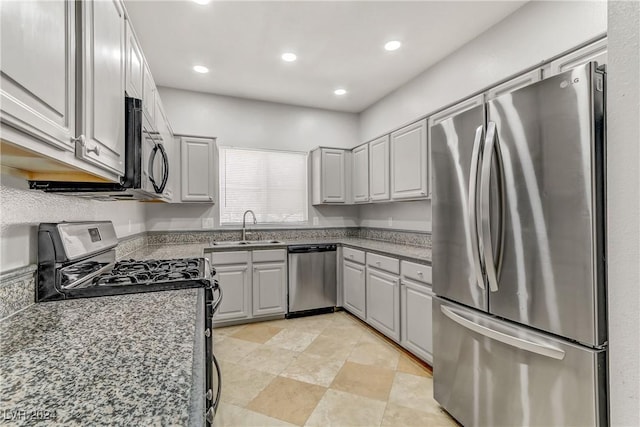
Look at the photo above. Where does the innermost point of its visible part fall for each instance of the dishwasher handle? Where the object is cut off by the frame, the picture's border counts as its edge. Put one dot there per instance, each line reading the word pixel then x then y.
pixel 305 249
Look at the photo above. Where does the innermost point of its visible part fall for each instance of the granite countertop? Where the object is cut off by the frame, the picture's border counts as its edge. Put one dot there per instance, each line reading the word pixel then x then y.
pixel 396 250
pixel 116 360
pixel 406 252
pixel 168 251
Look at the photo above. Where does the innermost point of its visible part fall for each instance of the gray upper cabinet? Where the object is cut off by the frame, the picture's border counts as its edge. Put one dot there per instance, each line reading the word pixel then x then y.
pixel 409 160
pixel 379 169
pixel 197 169
pixel 149 95
pixel 103 64
pixel 37 86
pixel 329 176
pixel 360 180
pixel 596 51
pixel 134 64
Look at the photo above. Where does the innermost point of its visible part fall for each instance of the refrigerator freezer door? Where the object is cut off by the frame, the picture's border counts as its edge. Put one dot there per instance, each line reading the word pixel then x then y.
pixel 493 373
pixel 455 149
pixel 550 138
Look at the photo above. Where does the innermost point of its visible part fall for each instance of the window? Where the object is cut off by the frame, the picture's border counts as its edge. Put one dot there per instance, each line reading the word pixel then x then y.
pixel 271 183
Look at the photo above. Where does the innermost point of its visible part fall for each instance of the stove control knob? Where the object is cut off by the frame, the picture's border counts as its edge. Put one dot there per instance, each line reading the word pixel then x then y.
pixel 207 333
pixel 209 394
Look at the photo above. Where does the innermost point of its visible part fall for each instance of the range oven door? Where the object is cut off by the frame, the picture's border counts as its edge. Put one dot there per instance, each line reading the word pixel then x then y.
pixel 488 372
pixel 213 372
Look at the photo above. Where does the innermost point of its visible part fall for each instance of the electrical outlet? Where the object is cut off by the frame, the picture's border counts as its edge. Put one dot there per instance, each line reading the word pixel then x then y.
pixel 390 222
pixel 207 222
pixel 315 220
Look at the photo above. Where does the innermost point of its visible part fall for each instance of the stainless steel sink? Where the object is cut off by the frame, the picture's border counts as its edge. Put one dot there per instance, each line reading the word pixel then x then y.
pixel 247 242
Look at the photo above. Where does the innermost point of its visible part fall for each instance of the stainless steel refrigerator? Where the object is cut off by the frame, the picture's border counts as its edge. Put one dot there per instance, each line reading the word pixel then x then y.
pixel 520 331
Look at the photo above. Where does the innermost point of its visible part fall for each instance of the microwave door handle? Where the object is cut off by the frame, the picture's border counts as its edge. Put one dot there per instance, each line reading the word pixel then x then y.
pixel 165 167
pixel 152 159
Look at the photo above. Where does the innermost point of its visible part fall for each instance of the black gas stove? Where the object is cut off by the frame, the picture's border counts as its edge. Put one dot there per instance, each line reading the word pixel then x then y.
pixel 77 260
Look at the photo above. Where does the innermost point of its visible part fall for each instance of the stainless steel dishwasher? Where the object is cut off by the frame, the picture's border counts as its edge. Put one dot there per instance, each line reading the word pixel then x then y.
pixel 312 279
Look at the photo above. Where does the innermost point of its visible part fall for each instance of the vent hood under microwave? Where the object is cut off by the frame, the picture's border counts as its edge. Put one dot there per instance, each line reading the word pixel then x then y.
pixel 143 147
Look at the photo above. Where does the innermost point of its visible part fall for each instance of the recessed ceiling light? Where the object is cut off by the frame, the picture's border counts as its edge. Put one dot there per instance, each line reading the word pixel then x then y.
pixel 202 1
pixel 289 57
pixel 200 69
pixel 340 92
pixel 392 45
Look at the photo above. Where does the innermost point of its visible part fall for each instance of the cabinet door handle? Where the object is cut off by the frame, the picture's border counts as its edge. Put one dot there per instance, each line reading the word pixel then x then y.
pixel 420 273
pixel 95 149
pixel 378 263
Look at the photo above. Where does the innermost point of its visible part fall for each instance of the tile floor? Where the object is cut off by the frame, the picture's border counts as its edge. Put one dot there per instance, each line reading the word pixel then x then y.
pixel 328 370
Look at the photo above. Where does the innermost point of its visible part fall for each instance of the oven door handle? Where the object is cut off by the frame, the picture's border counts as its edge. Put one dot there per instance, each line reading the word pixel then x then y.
pixel 213 409
pixel 216 401
pixel 216 303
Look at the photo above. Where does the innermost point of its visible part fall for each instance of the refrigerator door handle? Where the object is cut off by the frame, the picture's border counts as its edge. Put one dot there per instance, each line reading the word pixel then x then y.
pixel 533 347
pixel 473 208
pixel 485 218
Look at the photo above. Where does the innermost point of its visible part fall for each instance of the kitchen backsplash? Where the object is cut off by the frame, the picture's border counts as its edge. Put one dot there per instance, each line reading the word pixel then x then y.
pixel 412 238
pixel 17 290
pixel 174 237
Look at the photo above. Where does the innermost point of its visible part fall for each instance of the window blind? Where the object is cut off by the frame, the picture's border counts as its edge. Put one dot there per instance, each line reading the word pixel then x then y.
pixel 271 183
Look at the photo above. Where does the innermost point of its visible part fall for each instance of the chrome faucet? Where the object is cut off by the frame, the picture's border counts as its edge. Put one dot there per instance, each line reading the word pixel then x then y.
pixel 244 220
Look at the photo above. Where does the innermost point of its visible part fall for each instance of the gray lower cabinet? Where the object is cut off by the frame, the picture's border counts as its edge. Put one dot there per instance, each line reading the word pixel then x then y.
pixel 253 283
pixel 354 285
pixel 235 283
pixel 269 288
pixel 383 302
pixel 416 323
pixel 234 278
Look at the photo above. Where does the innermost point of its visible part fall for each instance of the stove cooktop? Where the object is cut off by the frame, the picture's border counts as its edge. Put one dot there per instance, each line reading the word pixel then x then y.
pixel 77 260
pixel 94 278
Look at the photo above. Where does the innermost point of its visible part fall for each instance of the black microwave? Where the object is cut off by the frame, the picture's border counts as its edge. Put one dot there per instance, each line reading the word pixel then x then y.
pixel 146 170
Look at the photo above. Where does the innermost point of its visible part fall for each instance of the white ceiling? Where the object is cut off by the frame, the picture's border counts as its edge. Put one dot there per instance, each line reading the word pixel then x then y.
pixel 339 44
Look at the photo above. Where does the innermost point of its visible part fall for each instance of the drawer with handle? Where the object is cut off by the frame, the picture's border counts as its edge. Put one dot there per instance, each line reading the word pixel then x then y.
pixel 353 255
pixel 381 262
pixel 233 257
pixel 417 272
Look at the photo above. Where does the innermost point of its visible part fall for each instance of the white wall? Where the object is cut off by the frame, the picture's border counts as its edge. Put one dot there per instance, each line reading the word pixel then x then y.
pixel 623 210
pixel 415 215
pixel 537 31
pixel 249 123
pixel 23 209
